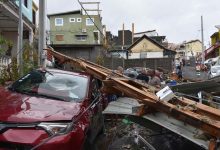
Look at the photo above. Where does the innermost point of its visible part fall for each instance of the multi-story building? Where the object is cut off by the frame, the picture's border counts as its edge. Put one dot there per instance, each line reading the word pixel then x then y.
pixel 214 49
pixel 76 34
pixel 9 17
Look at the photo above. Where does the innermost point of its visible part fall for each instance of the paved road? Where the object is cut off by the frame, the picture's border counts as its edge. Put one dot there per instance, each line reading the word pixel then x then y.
pixel 190 73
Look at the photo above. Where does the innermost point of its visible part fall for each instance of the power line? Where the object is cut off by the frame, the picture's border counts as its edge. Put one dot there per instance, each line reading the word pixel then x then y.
pixel 104 36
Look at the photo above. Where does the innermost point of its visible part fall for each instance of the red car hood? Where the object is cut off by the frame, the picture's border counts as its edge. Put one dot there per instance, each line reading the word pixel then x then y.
pixel 15 107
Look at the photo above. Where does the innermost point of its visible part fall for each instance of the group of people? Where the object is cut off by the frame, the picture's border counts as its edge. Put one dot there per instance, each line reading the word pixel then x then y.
pixel 150 77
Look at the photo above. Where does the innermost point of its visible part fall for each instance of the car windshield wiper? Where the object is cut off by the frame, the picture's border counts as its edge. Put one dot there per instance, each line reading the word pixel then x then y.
pixel 45 70
pixel 53 97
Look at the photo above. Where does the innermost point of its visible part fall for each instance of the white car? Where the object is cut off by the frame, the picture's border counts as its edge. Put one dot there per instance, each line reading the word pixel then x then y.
pixel 215 67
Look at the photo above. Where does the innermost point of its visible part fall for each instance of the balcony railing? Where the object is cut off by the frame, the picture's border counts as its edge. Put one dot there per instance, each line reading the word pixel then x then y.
pixel 4 61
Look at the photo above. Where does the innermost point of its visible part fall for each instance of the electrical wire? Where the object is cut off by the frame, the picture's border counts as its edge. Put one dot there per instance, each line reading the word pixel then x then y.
pixel 104 36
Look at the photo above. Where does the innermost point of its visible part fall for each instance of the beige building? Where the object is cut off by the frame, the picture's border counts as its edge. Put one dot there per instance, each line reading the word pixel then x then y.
pixel 193 48
pixel 145 47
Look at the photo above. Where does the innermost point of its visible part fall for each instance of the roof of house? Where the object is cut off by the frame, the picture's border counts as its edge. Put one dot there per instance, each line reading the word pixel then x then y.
pixel 216 33
pixel 65 13
pixel 145 32
pixel 192 41
pixel 150 39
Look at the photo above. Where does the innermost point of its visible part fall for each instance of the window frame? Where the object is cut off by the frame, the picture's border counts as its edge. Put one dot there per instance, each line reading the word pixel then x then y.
pixel 70 19
pixel 88 19
pixel 25 3
pixel 58 24
pixel 59 35
pixel 98 41
pixel 78 19
pixel 77 37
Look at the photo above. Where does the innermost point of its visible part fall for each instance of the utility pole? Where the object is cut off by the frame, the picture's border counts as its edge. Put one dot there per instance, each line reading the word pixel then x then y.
pixel 42 37
pixel 20 39
pixel 202 36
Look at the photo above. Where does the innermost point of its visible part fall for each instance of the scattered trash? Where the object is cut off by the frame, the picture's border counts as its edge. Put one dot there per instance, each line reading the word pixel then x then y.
pixel 165 94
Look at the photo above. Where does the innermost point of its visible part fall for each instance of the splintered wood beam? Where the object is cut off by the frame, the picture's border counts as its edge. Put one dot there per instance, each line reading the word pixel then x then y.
pixel 199 121
pixel 134 92
pixel 201 109
pixel 111 90
pixel 202 117
pixel 109 83
pixel 109 71
pixel 96 72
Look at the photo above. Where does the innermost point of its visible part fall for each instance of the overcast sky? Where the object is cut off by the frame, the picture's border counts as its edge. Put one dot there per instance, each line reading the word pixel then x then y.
pixel 178 20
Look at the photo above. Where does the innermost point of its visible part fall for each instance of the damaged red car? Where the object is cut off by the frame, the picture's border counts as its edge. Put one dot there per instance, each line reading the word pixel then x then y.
pixel 51 109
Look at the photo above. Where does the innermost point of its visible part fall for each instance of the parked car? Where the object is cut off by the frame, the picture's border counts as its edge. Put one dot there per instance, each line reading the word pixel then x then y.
pixel 215 67
pixel 62 107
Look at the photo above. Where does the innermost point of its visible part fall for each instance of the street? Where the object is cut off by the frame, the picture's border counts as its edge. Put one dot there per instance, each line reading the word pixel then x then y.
pixel 190 74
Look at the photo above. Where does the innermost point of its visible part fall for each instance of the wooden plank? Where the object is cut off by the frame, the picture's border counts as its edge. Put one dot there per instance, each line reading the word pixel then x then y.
pixel 204 118
pixel 202 109
pixel 202 122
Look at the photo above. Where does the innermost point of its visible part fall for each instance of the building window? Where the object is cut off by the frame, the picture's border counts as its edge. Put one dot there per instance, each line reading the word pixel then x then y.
pixel 81 37
pixel 34 17
pixel 58 21
pixel 72 20
pixel 26 3
pixel 79 19
pixel 89 22
pixel 59 37
pixel 96 37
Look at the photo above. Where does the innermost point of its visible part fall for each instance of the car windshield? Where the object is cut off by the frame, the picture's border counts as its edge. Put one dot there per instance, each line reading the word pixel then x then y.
pixel 53 85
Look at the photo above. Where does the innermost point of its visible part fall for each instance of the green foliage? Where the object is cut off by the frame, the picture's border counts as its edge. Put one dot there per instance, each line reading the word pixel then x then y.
pixel 5 46
pixel 10 72
pixel 30 61
pixel 2 43
pixel 29 58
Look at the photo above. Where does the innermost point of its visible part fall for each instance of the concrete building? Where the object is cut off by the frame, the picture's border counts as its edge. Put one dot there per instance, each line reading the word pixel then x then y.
pixel 9 17
pixel 76 35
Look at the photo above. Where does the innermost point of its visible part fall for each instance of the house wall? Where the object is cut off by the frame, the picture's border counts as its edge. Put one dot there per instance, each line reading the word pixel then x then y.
pixel 146 45
pixel 70 29
pixel 27 11
pixel 88 53
pixel 146 55
pixel 195 47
